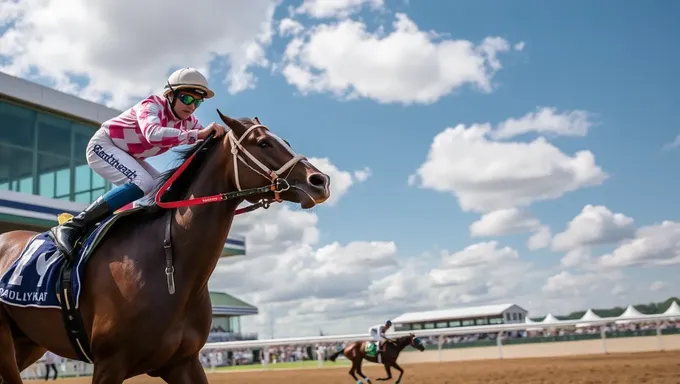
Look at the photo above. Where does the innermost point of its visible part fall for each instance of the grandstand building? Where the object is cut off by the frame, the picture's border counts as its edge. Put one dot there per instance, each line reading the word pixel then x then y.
pixel 461 317
pixel 43 171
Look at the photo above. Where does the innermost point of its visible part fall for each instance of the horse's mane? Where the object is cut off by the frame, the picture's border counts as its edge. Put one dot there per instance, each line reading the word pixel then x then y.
pixel 181 184
pixel 402 339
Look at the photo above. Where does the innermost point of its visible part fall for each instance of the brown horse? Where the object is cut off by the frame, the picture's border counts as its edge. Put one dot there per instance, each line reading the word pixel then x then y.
pixel 355 352
pixel 141 315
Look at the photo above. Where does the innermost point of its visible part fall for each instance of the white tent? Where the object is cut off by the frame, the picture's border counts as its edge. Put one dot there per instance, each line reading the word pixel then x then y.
pixel 550 319
pixel 630 312
pixel 588 316
pixel 527 320
pixel 674 309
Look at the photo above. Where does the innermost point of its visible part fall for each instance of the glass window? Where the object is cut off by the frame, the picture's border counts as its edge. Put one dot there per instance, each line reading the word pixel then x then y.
pixel 54 180
pixel 235 324
pixel 17 125
pixel 442 324
pixel 454 323
pixel 83 180
pixel 54 135
pixel 482 322
pixel 417 326
pixel 81 136
pixel 429 325
pixel 468 322
pixel 16 169
pixel 496 320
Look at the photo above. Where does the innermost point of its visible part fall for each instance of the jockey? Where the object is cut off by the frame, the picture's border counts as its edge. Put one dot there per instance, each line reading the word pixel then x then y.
pixel 378 333
pixel 117 151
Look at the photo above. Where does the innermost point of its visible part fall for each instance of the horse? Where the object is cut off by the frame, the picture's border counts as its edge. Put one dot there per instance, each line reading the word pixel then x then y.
pixel 357 351
pixel 144 300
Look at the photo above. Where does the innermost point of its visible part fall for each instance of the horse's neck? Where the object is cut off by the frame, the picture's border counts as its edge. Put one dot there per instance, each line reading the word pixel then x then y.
pixel 402 344
pixel 200 231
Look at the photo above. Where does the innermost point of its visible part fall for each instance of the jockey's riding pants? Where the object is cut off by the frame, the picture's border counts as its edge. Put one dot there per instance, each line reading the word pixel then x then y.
pixel 117 166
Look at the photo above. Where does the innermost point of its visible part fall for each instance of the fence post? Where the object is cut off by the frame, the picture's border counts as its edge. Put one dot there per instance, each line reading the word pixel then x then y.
pixel 440 343
pixel 603 334
pixel 499 343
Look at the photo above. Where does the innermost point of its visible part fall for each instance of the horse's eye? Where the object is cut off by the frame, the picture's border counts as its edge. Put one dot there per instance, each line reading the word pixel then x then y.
pixel 263 144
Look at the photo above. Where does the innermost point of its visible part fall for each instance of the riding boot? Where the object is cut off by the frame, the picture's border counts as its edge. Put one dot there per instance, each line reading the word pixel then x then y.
pixel 66 235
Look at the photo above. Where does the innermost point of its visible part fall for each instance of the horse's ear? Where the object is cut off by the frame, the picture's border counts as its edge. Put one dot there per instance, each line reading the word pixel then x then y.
pixel 235 125
pixel 257 120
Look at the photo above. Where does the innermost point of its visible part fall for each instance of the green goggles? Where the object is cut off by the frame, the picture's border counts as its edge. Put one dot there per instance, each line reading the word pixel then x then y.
pixel 187 99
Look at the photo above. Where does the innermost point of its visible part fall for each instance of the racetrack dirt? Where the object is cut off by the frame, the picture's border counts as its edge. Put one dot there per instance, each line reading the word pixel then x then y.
pixel 629 368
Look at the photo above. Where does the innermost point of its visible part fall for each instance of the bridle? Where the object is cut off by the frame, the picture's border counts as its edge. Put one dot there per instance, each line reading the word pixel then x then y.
pixel 278 184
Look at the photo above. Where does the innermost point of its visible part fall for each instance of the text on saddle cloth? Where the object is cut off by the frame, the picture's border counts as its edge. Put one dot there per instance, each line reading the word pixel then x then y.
pixel 32 279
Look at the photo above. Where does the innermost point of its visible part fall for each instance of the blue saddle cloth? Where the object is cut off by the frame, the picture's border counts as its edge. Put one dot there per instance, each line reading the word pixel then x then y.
pixel 33 279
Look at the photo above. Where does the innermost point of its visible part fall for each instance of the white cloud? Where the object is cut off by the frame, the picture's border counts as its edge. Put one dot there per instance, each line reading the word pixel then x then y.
pixel 654 245
pixel 658 286
pixel 540 239
pixel 673 144
pixel 405 66
pixel 345 287
pixel 290 27
pixel 546 121
pixel 122 49
pixel 580 257
pixel 512 221
pixel 595 225
pixel 486 175
pixel 504 222
pixel 336 8
pixel 341 181
pixel 566 284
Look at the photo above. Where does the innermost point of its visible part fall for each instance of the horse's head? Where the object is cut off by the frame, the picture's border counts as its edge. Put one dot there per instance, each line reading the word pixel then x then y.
pixel 416 343
pixel 260 159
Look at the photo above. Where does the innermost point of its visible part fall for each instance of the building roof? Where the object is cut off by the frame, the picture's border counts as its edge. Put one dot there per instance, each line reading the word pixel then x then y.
pixel 226 304
pixel 52 99
pixel 455 313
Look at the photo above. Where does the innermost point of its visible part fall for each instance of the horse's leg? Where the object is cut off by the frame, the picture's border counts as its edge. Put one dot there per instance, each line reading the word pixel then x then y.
pixel 189 372
pixel 361 373
pixel 398 368
pixel 389 373
pixel 9 371
pixel 109 371
pixel 27 352
pixel 353 369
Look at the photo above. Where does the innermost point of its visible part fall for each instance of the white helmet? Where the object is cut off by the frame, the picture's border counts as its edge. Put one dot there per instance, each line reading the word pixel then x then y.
pixel 188 78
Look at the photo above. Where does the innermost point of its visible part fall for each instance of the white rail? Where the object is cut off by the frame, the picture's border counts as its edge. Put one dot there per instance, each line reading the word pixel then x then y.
pixel 433 332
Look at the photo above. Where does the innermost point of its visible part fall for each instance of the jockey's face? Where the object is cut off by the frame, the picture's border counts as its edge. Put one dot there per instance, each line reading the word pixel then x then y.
pixel 186 104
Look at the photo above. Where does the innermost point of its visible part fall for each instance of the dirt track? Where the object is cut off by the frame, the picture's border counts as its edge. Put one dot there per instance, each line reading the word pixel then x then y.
pixel 637 368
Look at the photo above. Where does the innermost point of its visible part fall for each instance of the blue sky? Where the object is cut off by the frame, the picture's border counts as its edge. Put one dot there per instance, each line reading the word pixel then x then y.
pixel 614 61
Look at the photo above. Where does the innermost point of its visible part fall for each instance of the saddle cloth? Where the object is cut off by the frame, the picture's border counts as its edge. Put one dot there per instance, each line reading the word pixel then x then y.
pixel 33 279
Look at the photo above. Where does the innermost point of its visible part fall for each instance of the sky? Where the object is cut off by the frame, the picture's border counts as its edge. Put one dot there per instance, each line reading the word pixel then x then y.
pixel 480 152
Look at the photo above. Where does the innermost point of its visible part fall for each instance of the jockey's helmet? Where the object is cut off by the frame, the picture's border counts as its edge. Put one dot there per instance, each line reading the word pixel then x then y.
pixel 388 323
pixel 189 79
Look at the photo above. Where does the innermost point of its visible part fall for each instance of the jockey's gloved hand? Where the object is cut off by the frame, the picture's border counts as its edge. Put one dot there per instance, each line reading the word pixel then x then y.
pixel 219 130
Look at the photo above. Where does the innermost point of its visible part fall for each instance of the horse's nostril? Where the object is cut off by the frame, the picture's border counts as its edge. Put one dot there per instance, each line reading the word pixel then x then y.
pixel 317 179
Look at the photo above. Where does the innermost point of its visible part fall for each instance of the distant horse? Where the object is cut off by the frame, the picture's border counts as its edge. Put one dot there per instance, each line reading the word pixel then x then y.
pixel 357 351
pixel 144 301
